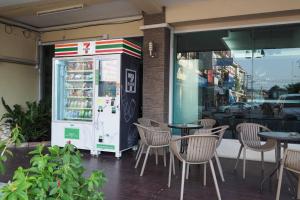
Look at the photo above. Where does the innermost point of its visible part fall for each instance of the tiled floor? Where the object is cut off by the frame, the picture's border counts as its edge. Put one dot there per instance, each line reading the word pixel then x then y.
pixel 124 182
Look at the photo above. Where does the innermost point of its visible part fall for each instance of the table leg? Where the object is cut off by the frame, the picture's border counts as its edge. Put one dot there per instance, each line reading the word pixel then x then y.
pixel 182 141
pixel 278 152
pixel 277 160
pixel 183 145
pixel 278 156
pixel 291 183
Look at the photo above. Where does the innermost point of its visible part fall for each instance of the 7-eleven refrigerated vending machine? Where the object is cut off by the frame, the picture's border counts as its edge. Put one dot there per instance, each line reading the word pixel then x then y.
pixel 96 95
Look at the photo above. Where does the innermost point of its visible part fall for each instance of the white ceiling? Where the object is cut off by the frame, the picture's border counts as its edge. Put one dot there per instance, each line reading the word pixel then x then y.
pixel 101 11
pixel 176 2
pixel 24 11
pixel 15 2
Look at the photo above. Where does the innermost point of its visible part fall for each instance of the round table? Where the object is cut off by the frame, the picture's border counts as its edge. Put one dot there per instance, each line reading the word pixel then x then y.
pixel 185 130
pixel 280 137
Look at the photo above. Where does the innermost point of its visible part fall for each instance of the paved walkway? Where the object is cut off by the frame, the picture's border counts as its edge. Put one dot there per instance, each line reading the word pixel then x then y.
pixel 124 182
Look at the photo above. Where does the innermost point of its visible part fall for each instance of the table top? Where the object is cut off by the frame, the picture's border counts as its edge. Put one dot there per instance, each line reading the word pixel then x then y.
pixel 281 136
pixel 185 126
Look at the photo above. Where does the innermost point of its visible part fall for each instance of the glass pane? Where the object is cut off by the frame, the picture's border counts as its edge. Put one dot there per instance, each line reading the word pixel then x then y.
pixel 74 89
pixel 234 76
pixel 109 81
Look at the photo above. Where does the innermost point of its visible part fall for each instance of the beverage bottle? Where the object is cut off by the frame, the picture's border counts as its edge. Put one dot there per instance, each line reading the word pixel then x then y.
pixel 66 114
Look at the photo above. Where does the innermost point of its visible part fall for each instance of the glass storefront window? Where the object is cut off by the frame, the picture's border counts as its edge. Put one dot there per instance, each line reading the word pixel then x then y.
pixel 234 76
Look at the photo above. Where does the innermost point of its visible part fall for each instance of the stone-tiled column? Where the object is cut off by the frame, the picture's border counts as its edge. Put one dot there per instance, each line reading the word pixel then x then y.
pixel 156 69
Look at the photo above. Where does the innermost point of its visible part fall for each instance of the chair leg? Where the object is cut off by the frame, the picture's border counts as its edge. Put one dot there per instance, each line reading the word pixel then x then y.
pixel 173 160
pixel 262 161
pixel 140 155
pixel 156 156
pixel 279 182
pixel 215 179
pixel 298 191
pixel 219 167
pixel 165 157
pixel 145 161
pixel 277 173
pixel 204 174
pixel 238 157
pixel 244 164
pixel 170 169
pixel 187 171
pixel 182 179
pixel 138 152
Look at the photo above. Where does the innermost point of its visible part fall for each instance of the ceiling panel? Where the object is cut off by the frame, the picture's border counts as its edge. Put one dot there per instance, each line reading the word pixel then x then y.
pixel 177 2
pixel 24 11
pixel 106 10
pixel 15 2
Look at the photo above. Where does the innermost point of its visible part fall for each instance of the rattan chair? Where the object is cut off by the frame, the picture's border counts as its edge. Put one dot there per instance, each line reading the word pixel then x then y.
pixel 247 134
pixel 152 137
pixel 207 123
pixel 291 162
pixel 152 123
pixel 147 123
pixel 200 150
pixel 218 131
pixel 144 121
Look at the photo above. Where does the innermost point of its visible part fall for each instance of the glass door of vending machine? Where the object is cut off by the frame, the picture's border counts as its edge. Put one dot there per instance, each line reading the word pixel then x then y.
pixel 74 89
pixel 107 103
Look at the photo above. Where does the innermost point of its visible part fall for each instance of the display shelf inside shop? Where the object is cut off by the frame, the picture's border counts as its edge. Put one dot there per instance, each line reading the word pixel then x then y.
pixel 79 97
pixel 79 118
pixel 80 71
pixel 79 88
pixel 80 80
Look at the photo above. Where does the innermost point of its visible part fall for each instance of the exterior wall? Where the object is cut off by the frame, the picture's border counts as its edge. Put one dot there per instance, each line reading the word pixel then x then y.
pixel 213 9
pixel 238 22
pixel 114 31
pixel 156 71
pixel 18 83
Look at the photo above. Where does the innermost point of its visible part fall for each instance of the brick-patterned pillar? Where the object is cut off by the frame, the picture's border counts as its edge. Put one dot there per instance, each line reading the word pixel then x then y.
pixel 156 70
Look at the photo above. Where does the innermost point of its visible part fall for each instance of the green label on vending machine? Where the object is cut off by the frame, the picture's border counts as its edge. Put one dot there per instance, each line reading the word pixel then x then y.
pixel 72 133
pixel 106 146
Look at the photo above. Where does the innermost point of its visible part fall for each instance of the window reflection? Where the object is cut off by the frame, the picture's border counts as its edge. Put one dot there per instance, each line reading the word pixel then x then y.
pixel 233 84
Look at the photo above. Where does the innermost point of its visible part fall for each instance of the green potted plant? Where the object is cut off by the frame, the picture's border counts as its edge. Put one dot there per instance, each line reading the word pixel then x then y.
pixel 15 138
pixel 34 120
pixel 55 173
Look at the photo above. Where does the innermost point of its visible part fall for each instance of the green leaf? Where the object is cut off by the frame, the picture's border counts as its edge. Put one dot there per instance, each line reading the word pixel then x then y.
pixel 53 191
pixel 57 175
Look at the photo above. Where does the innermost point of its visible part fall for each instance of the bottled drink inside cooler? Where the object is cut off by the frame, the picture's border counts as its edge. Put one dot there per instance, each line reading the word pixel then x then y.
pixel 74 92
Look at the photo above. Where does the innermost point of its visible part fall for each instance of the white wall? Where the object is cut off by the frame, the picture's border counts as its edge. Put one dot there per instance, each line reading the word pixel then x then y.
pixel 18 83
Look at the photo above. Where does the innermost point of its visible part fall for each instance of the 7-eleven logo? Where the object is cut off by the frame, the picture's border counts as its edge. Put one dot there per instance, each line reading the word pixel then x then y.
pixel 86 47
